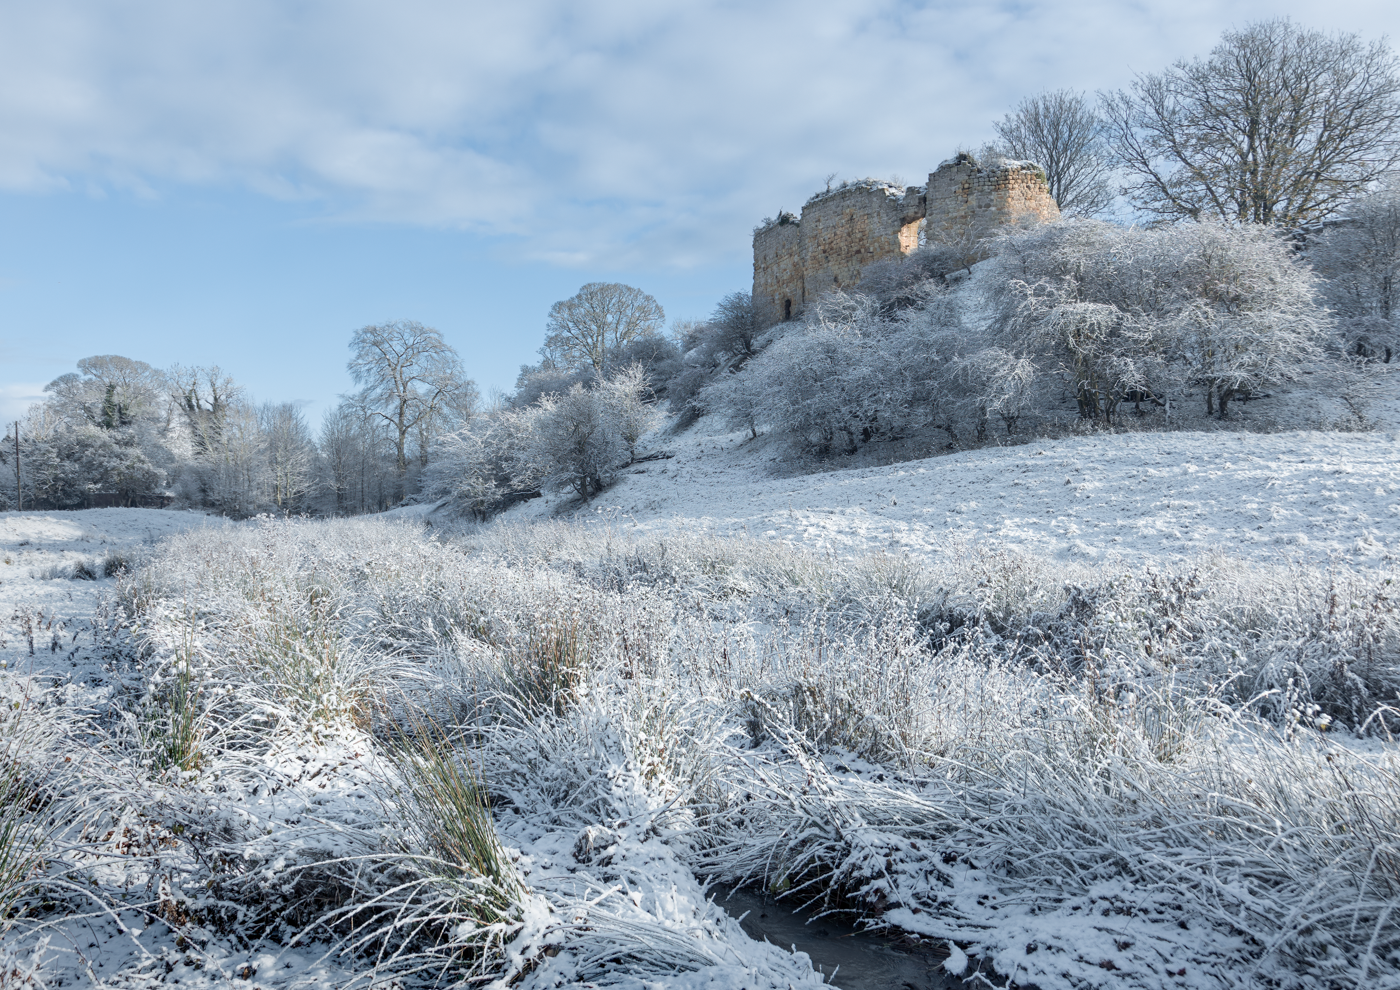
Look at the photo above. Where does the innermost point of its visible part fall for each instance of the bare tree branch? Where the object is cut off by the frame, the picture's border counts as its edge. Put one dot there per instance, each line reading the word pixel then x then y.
pixel 1278 125
pixel 1061 132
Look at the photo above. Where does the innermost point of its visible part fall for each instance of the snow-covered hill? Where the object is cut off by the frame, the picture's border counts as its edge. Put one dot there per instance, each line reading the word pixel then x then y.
pixel 1140 495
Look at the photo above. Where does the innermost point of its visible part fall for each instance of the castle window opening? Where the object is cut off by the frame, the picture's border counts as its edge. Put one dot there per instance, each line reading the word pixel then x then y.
pixel 787 309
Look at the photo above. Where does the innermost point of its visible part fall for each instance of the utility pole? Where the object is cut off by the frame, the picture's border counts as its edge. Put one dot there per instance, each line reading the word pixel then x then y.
pixel 19 495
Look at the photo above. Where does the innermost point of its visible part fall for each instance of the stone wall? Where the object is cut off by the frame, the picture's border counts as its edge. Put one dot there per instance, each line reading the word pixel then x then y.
pixel 777 270
pixel 966 201
pixel 844 230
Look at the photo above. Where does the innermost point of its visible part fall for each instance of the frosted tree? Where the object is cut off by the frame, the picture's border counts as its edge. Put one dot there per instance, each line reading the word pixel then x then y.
pixel 65 463
pixel 625 394
pixel 489 464
pixel 581 438
pixel 1224 311
pixel 599 318
pixel 203 396
pixel 733 326
pixel 711 349
pixel 356 461
pixel 1360 260
pixel 291 455
pixel 410 378
pixel 108 390
pixel 911 281
pixel 576 440
pixel 999 383
pixel 845 377
pixel 1248 315
pixel 101 432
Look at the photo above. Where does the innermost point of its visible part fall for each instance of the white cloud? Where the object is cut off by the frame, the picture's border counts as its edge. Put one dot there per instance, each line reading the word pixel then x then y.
pixel 16 398
pixel 612 129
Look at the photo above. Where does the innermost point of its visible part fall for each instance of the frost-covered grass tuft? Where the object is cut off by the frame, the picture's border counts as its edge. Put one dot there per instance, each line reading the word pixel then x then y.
pixel 508 754
pixel 115 563
pixel 77 570
pixel 24 798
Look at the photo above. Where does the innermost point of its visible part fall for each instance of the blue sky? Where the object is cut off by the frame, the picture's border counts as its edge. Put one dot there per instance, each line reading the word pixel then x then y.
pixel 245 183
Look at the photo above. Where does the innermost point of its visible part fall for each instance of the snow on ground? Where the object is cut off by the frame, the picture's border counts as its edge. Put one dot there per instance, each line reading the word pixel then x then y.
pixel 1161 496
pixel 40 601
pixel 1139 495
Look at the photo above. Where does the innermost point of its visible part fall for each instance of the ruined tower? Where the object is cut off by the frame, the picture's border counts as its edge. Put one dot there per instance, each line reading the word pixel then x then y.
pixel 843 230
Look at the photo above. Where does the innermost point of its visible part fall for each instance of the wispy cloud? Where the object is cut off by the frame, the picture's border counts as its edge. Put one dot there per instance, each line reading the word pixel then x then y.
pixel 616 128
pixel 17 397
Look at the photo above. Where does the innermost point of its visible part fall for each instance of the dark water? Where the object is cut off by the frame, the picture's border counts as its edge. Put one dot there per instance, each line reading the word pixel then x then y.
pixel 866 961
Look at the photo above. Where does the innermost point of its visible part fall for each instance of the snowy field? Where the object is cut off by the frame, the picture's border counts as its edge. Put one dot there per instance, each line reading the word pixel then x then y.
pixel 1160 496
pixel 1099 712
pixel 39 555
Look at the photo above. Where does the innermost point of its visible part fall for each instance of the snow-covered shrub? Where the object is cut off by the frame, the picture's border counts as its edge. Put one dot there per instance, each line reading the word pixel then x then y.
pixel 65 463
pixel 575 440
pixel 582 437
pixel 998 383
pixel 1104 314
pixel 486 466
pixel 115 562
pixel 1223 312
pixel 846 376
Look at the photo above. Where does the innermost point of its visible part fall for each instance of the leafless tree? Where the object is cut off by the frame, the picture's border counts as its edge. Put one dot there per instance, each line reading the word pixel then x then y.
pixel 1279 125
pixel 626 393
pixel 291 454
pixel 1061 132
pixel 1360 260
pixel 356 460
pixel 408 376
pixel 734 324
pixel 601 317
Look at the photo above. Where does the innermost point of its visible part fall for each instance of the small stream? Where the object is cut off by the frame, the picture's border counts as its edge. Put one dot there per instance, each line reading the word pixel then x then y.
pixel 866 961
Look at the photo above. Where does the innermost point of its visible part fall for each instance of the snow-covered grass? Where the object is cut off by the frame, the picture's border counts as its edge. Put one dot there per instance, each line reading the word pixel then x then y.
pixel 369 750
pixel 1089 712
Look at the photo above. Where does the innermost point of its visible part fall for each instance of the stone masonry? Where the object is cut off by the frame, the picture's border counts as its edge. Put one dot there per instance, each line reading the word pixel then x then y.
pixel 843 230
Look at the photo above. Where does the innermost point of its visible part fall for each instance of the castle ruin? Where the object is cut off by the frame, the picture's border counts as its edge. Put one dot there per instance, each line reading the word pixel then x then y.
pixel 844 230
